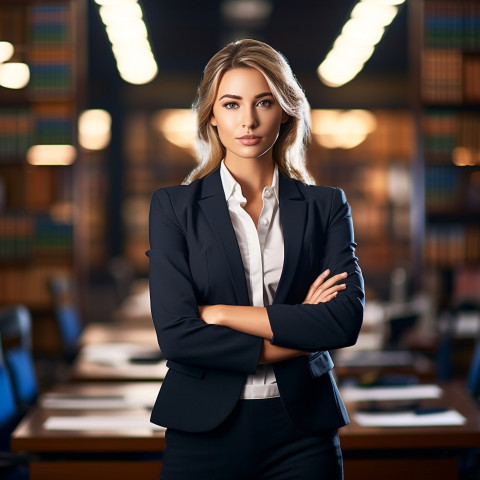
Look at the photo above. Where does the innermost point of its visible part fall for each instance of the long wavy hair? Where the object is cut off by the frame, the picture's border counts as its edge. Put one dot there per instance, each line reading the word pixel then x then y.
pixel 289 149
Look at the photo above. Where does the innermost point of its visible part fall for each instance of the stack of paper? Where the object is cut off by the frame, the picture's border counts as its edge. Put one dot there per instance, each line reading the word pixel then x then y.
pixel 410 419
pixel 101 423
pixel 404 392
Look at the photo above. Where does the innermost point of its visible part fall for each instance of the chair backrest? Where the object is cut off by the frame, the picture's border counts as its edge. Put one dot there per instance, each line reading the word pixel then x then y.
pixel 70 327
pixel 473 377
pixel 8 408
pixel 66 313
pixel 15 328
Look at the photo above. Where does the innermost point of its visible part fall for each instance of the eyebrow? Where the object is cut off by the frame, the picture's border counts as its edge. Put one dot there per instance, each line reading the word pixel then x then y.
pixel 237 97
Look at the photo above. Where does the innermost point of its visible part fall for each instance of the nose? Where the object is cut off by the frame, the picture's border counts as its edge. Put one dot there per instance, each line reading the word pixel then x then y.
pixel 249 119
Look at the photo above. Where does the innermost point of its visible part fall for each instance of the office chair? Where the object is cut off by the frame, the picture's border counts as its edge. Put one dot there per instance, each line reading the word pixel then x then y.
pixel 8 407
pixel 12 466
pixel 15 328
pixel 473 376
pixel 66 314
pixel 447 344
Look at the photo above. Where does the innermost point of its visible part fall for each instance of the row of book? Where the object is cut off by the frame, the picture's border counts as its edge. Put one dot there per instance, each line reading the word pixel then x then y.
pixel 29 284
pixel 22 127
pixel 452 23
pixel 450 189
pixel 440 128
pixel 442 187
pixel 452 245
pixel 449 76
pixel 25 236
pixel 50 52
pixel 54 123
pixel 49 23
pixel 447 133
pixel 16 132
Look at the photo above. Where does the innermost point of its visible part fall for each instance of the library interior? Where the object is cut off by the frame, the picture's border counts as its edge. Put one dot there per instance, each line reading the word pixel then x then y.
pixel 96 115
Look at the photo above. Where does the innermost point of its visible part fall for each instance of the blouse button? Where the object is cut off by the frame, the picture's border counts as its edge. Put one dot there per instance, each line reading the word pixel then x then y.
pixel 264 222
pixel 267 193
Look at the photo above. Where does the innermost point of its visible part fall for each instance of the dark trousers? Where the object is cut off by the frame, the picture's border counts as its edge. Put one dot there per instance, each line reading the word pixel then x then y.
pixel 257 442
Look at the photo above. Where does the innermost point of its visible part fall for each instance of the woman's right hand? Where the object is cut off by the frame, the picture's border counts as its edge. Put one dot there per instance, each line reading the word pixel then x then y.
pixel 324 289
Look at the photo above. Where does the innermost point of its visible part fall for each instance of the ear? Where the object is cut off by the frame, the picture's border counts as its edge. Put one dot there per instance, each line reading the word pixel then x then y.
pixel 213 120
pixel 285 117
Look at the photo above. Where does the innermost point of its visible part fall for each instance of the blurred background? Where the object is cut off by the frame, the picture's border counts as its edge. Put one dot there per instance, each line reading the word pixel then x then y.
pixel 94 117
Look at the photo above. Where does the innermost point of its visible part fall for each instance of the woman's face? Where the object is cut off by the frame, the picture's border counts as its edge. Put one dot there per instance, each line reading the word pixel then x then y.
pixel 246 115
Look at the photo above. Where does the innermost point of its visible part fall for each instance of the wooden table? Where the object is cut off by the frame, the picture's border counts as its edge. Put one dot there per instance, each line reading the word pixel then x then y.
pixel 106 362
pixel 92 454
pixel 423 453
pixel 418 453
pixel 408 364
pixel 143 334
pixel 118 352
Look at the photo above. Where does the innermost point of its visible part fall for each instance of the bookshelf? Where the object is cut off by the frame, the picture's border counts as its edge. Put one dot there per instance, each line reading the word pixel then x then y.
pixel 38 227
pixel 375 176
pixel 449 121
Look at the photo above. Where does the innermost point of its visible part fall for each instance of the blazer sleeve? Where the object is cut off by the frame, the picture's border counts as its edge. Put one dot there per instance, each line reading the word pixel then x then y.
pixel 337 323
pixel 182 335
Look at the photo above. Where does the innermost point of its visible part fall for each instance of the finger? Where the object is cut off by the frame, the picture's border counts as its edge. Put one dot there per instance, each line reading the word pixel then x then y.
pixel 328 298
pixel 316 284
pixel 319 281
pixel 321 278
pixel 321 295
pixel 333 280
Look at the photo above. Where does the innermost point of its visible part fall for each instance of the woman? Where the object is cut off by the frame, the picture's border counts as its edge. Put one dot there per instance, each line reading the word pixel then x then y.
pixel 253 277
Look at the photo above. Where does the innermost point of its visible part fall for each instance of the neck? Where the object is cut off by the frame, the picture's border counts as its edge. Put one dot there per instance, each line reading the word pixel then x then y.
pixel 253 174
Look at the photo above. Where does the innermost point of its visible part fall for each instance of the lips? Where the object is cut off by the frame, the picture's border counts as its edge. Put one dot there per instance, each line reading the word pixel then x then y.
pixel 249 140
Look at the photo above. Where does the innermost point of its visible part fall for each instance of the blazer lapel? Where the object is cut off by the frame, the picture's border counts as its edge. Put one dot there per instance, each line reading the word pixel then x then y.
pixel 293 211
pixel 215 208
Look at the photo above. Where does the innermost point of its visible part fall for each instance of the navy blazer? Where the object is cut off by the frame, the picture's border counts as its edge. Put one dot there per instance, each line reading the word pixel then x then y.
pixel 195 260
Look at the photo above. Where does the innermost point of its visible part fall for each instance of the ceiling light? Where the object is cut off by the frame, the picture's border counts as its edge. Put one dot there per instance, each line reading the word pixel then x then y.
pixel 239 11
pixel 356 43
pixel 94 129
pixel 121 12
pixel 113 2
pixel 375 13
pixel 6 51
pixel 128 35
pixel 361 32
pixel 14 75
pixel 178 126
pixel 385 2
pixel 51 155
pixel 342 129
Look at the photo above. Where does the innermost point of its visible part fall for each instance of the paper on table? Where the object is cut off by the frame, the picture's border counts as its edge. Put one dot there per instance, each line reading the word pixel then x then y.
pixel 404 392
pixel 93 403
pixel 409 419
pixel 101 423
pixel 397 358
pixel 116 354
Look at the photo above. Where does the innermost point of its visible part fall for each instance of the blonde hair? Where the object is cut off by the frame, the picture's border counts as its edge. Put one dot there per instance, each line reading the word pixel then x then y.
pixel 289 149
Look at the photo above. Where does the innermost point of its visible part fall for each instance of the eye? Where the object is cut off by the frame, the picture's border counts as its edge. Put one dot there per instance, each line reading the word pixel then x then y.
pixel 265 103
pixel 230 105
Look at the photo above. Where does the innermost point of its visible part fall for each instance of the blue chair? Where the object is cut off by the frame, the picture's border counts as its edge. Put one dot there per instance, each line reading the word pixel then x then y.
pixel 15 329
pixel 8 407
pixel 12 466
pixel 473 377
pixel 66 314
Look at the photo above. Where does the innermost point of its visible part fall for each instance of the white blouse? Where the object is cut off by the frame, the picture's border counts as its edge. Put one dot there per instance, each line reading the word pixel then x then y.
pixel 262 254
